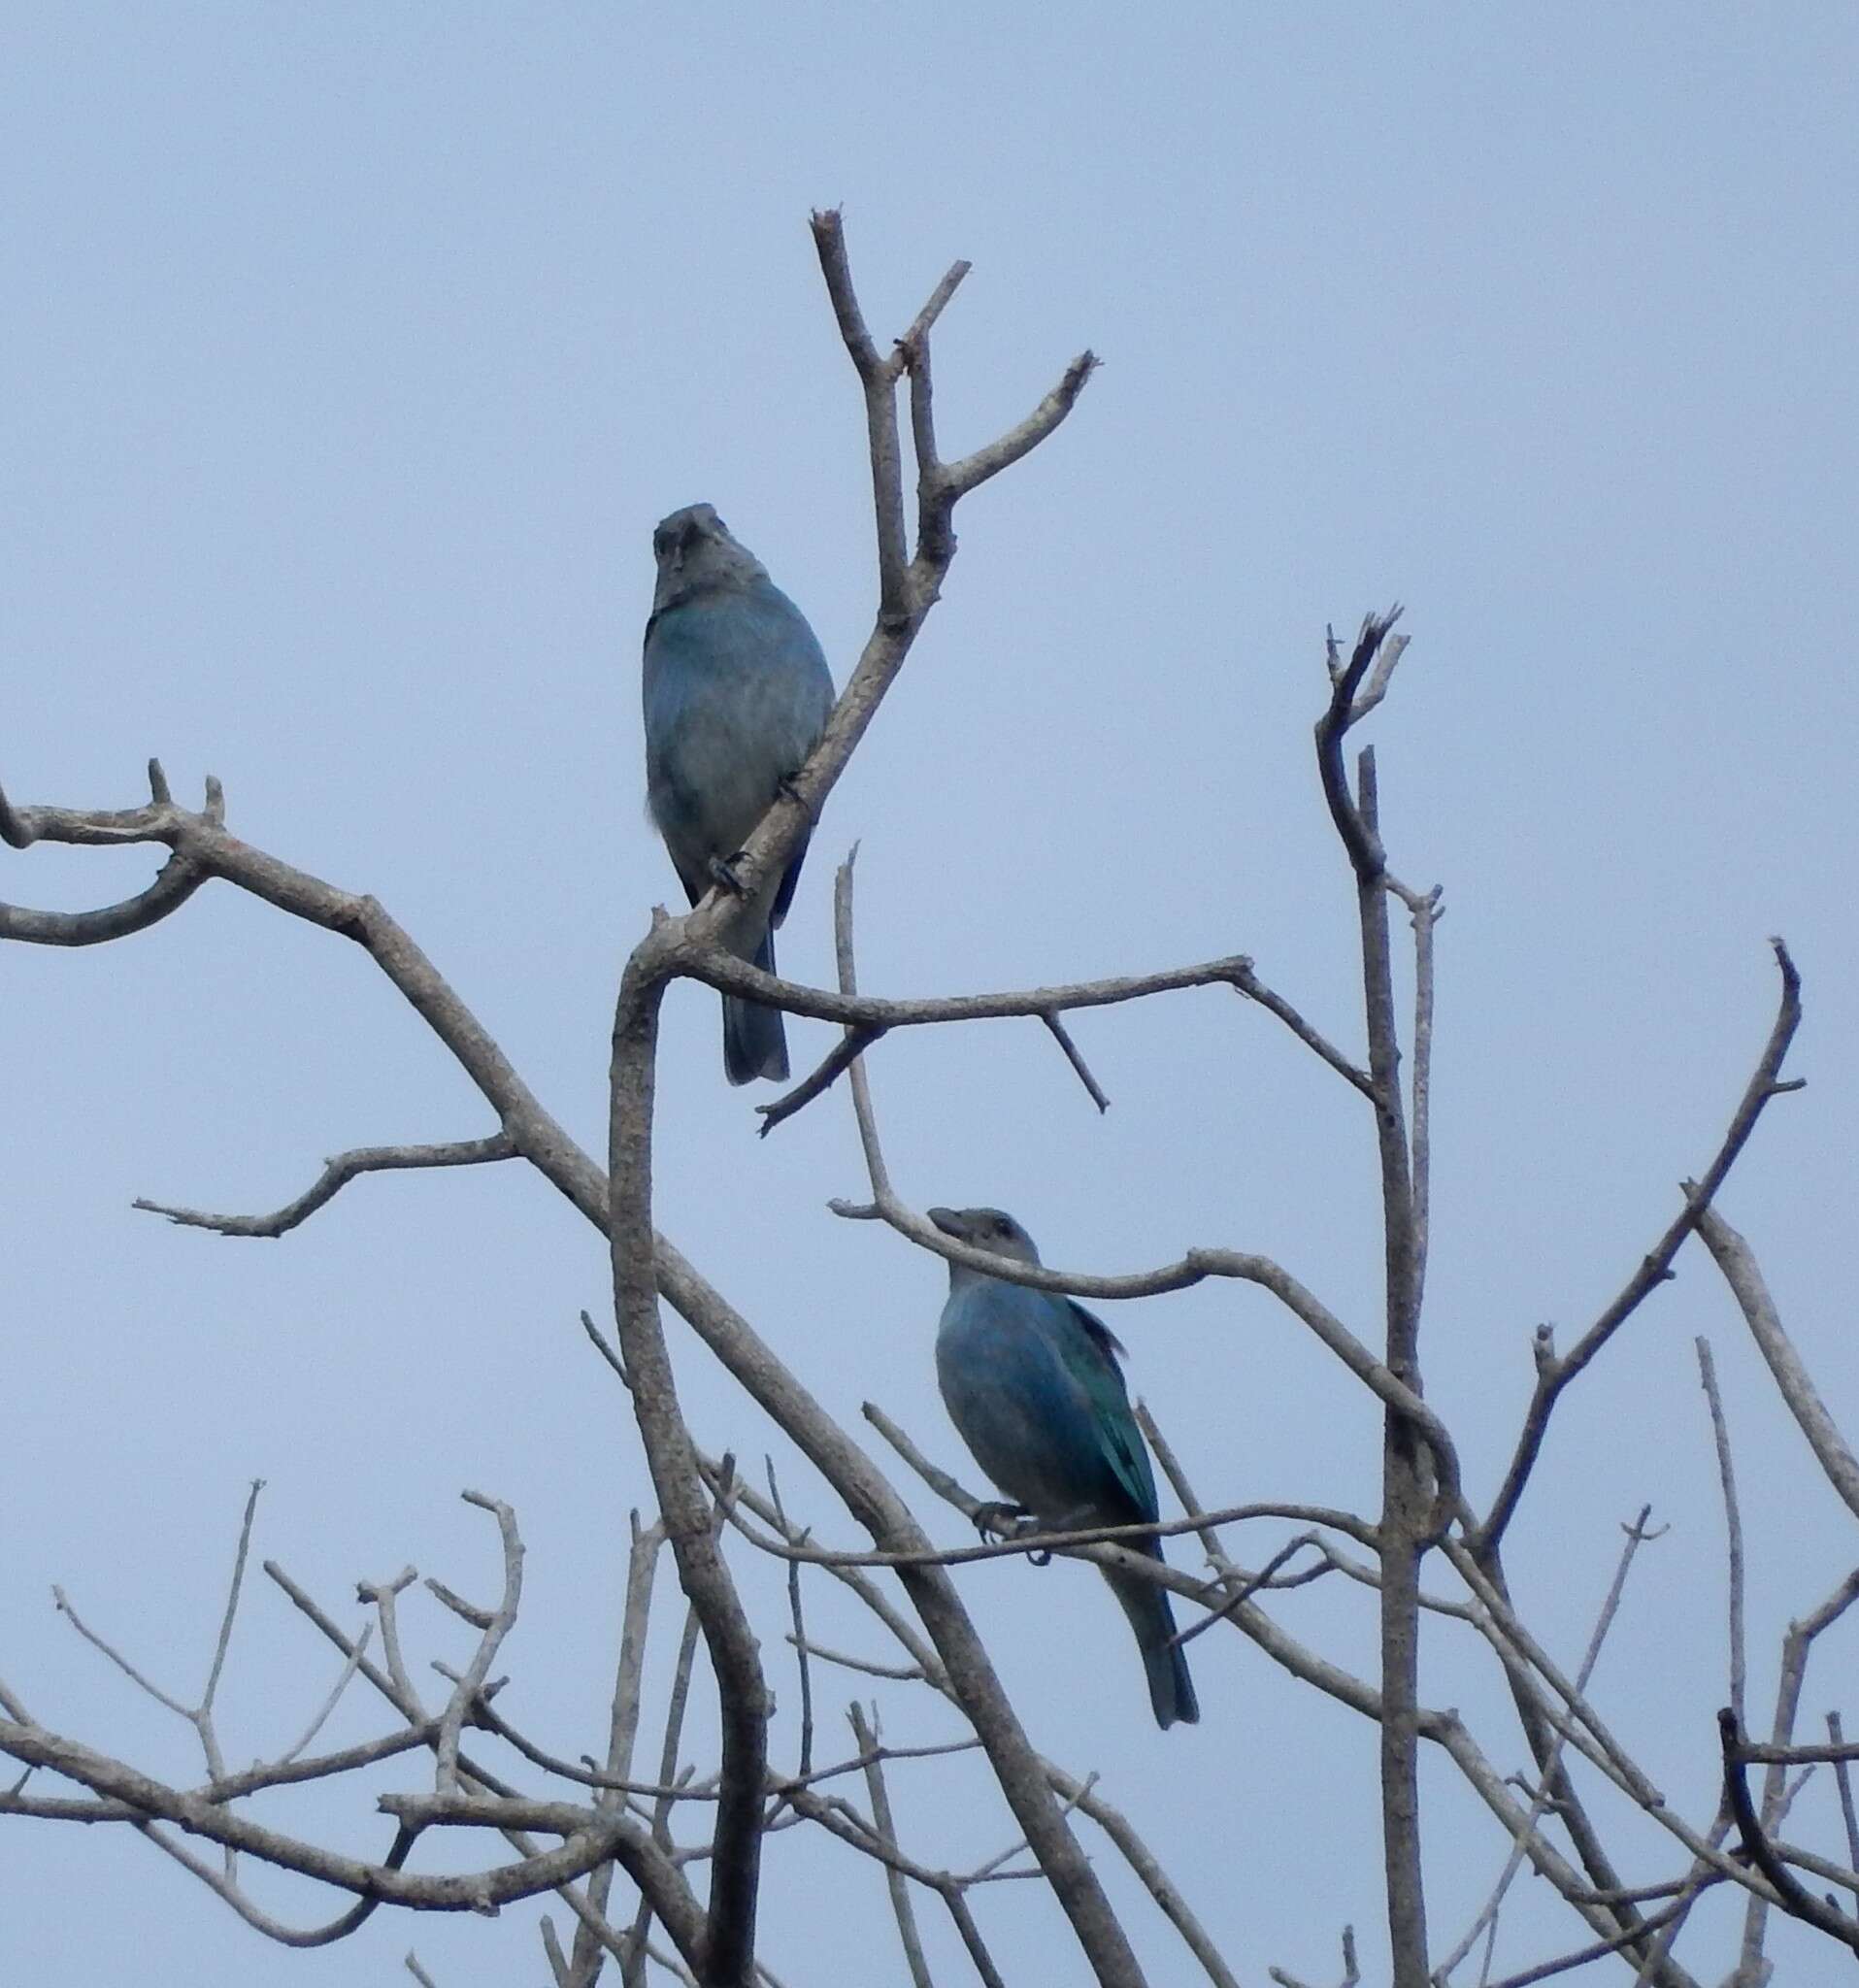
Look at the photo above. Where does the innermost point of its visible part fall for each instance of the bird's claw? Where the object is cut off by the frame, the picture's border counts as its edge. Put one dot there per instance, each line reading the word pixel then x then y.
pixel 1000 1520
pixel 722 871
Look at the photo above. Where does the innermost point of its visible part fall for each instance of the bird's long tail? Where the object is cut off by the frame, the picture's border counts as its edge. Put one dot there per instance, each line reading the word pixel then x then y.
pixel 1171 1689
pixel 754 1041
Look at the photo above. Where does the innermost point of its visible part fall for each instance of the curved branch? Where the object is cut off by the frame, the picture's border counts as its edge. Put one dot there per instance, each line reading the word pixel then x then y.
pixel 1794 1898
pixel 176 884
pixel 261 1921
pixel 1359 836
pixel 178 881
pixel 336 1174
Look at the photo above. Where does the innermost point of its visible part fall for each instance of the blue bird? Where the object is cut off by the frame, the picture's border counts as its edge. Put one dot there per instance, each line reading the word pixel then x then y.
pixel 1031 1382
pixel 737 694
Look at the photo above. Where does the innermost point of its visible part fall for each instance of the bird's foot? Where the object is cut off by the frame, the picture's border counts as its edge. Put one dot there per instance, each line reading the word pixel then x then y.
pixel 722 871
pixel 785 786
pixel 1000 1520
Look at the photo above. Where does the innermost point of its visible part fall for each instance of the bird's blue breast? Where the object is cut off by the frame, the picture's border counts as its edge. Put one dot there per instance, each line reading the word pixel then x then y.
pixel 736 694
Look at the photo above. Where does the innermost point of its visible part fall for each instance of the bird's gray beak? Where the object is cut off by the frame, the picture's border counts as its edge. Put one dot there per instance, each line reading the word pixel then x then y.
pixel 948 1221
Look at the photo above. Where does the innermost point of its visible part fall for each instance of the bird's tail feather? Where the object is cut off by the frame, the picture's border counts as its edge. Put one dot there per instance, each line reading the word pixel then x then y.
pixel 1171 1689
pixel 754 1041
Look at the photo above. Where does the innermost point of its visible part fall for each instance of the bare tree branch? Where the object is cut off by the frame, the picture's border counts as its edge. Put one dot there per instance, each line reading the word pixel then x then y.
pixel 1735 1259
pixel 865 1738
pixel 1733 1523
pixel 873 1016
pixel 1488 1917
pixel 799 1638
pixel 1836 1751
pixel 1797 1646
pixel 1411 1514
pixel 336 1174
pixel 1351 1973
pixel 1062 1036
pixel 178 882
pixel 495 1628
pixel 743 1695
pixel 1198 1264
pixel 1795 1898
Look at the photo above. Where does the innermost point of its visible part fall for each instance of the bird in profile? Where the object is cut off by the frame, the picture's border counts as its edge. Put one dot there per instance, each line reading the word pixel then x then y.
pixel 1031 1382
pixel 736 694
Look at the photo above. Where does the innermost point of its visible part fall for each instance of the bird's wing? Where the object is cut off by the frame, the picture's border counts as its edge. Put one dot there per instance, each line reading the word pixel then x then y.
pixel 1090 1356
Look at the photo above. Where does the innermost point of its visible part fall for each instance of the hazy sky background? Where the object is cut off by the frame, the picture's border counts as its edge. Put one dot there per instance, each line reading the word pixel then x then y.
pixel 350 354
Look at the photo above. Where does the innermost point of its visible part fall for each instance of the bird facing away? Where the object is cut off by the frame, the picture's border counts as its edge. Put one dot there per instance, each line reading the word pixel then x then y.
pixel 737 694
pixel 1031 1382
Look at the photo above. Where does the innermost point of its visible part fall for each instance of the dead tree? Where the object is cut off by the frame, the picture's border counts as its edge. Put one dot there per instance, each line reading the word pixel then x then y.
pixel 616 1844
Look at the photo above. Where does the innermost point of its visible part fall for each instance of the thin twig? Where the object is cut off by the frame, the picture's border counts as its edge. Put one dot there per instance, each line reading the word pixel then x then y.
pixel 582 1969
pixel 1423 907
pixel 1601 1948
pixel 798 1637
pixel 1735 1259
pixel 1540 1798
pixel 336 1174
pixel 1554 1374
pixel 872 1017
pixel 117 1657
pixel 865 1738
pixel 1844 1780
pixel 902 1673
pixel 1148 1870
pixel 971 1936
pixel 1247 1589
pixel 351 1664
pixel 1351 1973
pixel 1733 1523
pixel 1062 1036
pixel 385 1598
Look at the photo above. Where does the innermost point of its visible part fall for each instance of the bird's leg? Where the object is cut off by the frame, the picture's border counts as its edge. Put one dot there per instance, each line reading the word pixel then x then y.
pixel 785 786
pixel 721 871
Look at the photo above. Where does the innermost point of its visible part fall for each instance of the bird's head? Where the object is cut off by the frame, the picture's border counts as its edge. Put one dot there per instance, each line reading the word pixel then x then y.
pixel 694 550
pixel 985 1228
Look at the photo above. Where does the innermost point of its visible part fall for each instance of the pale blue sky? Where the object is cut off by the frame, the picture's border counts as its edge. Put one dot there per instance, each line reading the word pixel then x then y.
pixel 351 353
